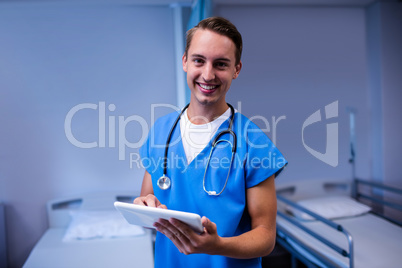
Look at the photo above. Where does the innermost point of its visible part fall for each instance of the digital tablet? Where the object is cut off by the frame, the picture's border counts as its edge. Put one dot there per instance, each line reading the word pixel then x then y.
pixel 146 216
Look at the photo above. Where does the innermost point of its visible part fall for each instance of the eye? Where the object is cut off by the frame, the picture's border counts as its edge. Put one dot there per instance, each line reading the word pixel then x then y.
pixel 198 61
pixel 221 65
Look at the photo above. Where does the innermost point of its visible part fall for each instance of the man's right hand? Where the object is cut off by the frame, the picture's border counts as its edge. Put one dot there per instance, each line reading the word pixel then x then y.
pixel 150 201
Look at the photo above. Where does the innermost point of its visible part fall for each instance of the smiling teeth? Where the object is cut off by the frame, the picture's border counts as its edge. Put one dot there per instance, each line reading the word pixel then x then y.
pixel 207 87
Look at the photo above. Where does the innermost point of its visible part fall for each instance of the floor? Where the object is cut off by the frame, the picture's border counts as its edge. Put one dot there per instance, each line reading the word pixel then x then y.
pixel 279 258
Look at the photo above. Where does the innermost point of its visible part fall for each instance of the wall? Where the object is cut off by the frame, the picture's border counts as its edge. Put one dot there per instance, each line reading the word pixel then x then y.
pixel 297 60
pixel 3 247
pixel 53 58
pixel 391 25
pixel 385 62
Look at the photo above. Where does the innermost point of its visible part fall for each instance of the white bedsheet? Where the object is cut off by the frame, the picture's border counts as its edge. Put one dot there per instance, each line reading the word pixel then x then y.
pixel 122 252
pixel 377 242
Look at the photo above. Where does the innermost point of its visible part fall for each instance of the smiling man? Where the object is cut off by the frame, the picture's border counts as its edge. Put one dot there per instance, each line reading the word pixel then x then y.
pixel 211 66
pixel 225 179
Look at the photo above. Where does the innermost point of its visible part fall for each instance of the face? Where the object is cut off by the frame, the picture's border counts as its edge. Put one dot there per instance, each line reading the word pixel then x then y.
pixel 210 67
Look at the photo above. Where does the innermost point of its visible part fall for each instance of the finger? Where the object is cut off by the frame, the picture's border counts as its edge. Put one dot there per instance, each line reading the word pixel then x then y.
pixel 162 206
pixel 170 232
pixel 139 201
pixel 209 226
pixel 144 201
pixel 184 228
pixel 181 233
pixel 151 201
pixel 189 239
pixel 176 231
pixel 166 228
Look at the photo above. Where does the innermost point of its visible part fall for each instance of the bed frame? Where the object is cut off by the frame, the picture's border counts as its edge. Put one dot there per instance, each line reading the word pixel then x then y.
pixel 364 191
pixel 58 210
pixel 51 251
pixel 375 200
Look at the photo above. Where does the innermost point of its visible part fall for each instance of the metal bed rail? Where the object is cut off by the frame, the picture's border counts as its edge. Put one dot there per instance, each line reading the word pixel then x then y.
pixel 346 253
pixel 378 200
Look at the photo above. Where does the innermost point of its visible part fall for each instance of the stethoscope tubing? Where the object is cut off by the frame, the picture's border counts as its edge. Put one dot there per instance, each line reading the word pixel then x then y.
pixel 164 180
pixel 169 138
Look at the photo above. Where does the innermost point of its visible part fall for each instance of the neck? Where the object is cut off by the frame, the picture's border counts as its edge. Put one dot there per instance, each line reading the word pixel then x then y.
pixel 202 114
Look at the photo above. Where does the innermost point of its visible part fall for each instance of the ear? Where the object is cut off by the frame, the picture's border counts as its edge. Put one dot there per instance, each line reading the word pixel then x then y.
pixel 237 70
pixel 184 61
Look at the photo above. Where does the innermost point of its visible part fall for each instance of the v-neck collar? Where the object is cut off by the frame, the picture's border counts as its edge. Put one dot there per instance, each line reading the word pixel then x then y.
pixel 205 151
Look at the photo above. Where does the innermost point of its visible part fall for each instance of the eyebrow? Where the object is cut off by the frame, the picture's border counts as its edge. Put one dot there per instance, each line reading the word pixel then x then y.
pixel 203 57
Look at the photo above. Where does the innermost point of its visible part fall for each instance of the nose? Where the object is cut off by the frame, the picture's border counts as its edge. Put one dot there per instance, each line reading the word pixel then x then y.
pixel 208 73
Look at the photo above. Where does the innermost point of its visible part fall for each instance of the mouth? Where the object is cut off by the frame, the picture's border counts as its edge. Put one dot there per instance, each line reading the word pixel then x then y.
pixel 207 88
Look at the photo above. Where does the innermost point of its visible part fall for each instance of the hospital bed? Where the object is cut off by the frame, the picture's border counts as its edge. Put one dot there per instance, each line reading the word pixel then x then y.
pixel 340 223
pixel 87 231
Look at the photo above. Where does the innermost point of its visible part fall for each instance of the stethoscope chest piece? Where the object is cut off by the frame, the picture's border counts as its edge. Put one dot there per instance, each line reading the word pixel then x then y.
pixel 164 182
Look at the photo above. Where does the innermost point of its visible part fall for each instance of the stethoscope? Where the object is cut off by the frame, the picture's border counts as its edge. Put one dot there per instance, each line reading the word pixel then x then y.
pixel 164 181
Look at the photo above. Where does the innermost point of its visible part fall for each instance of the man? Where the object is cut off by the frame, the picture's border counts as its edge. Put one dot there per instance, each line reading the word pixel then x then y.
pixel 236 198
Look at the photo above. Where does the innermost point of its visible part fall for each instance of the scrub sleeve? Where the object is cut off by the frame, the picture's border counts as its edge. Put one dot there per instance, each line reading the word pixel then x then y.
pixel 256 159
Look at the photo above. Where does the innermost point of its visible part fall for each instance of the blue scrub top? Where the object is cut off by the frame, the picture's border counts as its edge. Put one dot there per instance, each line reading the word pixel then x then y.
pixel 256 159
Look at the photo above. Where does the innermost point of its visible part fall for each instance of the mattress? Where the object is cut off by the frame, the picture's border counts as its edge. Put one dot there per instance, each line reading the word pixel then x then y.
pixel 51 251
pixel 377 242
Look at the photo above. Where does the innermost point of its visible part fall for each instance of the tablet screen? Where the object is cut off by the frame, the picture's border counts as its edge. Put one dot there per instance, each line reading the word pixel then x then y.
pixel 146 216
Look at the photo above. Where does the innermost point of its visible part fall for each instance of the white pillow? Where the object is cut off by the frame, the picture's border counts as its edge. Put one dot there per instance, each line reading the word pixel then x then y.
pixel 333 207
pixel 99 224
